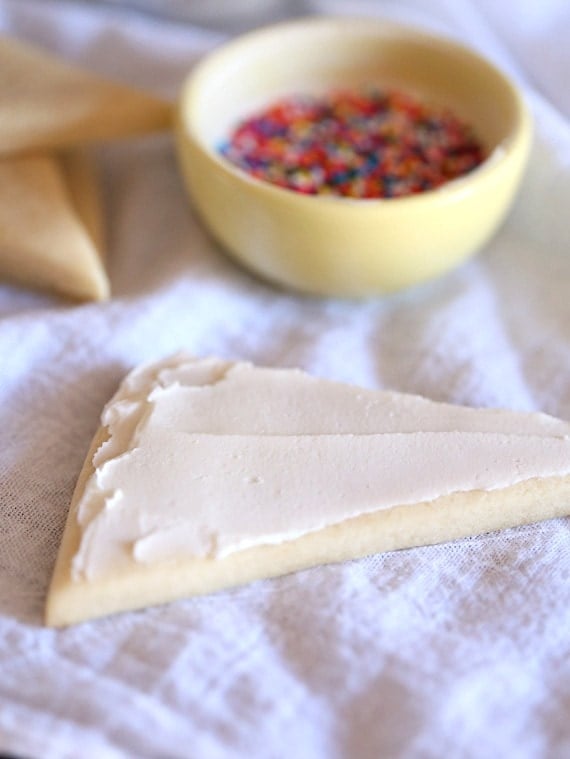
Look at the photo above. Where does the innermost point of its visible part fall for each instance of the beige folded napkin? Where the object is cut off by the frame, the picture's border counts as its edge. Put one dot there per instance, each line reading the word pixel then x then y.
pixel 51 225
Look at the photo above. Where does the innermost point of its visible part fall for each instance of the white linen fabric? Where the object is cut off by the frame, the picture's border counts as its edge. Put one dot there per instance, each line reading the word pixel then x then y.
pixel 457 650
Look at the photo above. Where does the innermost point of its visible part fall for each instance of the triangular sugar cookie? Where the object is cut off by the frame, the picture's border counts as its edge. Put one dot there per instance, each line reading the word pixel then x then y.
pixel 82 178
pixel 50 226
pixel 47 103
pixel 207 474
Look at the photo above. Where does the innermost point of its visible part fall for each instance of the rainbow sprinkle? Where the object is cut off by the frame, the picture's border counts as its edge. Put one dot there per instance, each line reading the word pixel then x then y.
pixel 368 144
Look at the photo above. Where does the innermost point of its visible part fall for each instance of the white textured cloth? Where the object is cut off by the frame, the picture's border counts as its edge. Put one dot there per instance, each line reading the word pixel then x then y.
pixel 459 650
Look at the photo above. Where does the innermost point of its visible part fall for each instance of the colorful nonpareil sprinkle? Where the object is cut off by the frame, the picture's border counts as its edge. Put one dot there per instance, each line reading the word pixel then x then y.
pixel 368 144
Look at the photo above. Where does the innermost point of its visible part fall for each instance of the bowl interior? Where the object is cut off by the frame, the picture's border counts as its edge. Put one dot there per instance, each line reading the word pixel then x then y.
pixel 313 56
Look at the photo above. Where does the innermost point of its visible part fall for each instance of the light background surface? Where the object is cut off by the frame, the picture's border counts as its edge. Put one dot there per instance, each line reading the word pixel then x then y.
pixel 459 650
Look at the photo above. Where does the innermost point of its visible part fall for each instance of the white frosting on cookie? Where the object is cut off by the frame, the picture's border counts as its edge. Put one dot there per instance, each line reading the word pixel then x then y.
pixel 207 457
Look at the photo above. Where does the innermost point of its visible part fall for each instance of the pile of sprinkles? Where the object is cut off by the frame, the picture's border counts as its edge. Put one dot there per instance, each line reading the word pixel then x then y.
pixel 365 144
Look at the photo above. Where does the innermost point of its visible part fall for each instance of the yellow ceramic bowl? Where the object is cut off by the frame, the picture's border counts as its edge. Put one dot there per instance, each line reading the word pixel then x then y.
pixel 335 245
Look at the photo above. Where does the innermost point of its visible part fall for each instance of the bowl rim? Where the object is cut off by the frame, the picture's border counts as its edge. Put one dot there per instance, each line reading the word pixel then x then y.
pixel 518 136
